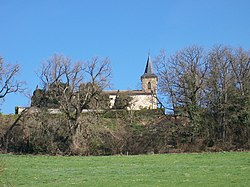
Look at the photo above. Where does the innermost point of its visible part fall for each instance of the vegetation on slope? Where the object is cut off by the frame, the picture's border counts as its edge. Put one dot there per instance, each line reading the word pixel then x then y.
pixel 110 133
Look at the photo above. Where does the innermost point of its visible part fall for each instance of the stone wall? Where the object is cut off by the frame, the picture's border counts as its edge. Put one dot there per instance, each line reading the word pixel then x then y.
pixel 153 82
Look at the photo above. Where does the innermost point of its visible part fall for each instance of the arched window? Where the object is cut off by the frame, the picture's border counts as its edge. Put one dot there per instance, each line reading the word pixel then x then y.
pixel 149 85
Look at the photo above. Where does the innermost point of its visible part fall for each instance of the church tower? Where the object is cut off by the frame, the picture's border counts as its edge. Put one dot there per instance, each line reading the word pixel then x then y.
pixel 149 79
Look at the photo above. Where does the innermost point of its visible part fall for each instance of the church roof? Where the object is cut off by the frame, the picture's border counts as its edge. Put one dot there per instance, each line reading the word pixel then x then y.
pixel 149 71
pixel 129 92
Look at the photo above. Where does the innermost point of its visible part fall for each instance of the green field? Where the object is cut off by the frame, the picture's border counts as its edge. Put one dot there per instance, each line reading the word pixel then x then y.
pixel 206 169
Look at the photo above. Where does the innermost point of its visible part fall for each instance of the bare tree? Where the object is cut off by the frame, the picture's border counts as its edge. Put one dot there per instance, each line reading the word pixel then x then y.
pixel 227 88
pixel 166 81
pixel 240 65
pixel 74 85
pixel 218 84
pixel 8 82
pixel 182 80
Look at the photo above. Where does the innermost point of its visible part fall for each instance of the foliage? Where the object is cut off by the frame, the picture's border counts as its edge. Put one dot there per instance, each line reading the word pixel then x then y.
pixel 211 88
pixel 122 100
pixel 226 169
pixel 115 132
pixel 73 87
pixel 100 102
pixel 43 99
pixel 209 94
pixel 46 99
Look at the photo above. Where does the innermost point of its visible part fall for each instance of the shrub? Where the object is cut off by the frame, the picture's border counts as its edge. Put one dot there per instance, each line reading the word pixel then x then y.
pixel 122 101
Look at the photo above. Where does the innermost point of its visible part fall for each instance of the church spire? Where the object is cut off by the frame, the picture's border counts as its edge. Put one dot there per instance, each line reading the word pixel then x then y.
pixel 149 68
pixel 149 72
pixel 149 79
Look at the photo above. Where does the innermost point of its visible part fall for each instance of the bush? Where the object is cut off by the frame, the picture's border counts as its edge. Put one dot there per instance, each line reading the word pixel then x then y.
pixel 111 133
pixel 122 101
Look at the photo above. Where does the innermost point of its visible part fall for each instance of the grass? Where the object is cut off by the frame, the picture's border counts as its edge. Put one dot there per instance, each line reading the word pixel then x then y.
pixel 206 169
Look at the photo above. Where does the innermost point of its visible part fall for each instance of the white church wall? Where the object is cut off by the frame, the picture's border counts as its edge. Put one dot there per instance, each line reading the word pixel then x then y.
pixel 143 101
pixel 138 102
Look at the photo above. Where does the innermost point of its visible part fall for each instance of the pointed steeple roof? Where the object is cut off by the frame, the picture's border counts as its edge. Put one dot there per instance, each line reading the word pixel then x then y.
pixel 149 71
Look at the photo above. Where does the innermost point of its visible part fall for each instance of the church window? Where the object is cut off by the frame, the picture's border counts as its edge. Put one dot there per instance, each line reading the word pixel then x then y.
pixel 149 85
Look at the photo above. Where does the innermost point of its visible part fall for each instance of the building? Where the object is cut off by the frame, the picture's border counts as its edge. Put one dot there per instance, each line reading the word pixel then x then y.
pixel 141 99
pixel 144 98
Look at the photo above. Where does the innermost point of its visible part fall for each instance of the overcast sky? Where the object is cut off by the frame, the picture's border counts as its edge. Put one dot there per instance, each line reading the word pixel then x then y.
pixel 32 31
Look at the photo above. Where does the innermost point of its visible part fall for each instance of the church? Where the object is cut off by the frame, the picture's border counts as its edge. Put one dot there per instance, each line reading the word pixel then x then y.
pixel 144 98
pixel 140 99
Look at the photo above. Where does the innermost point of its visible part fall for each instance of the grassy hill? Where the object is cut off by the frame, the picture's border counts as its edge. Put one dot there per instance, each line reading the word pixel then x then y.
pixel 203 169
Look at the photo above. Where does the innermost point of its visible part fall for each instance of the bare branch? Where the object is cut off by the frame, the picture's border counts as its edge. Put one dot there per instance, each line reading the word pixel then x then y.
pixel 74 85
pixel 8 82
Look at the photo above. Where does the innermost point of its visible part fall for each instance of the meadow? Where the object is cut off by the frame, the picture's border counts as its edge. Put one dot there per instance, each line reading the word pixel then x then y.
pixel 196 169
